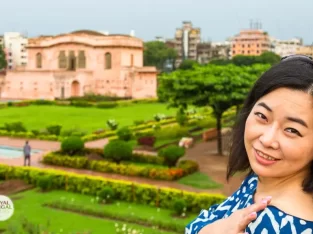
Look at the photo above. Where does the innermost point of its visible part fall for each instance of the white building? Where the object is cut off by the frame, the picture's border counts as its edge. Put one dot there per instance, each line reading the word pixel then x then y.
pixel 286 47
pixel 15 45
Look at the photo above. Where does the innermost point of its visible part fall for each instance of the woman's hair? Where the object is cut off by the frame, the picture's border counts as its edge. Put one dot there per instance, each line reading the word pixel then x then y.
pixel 294 72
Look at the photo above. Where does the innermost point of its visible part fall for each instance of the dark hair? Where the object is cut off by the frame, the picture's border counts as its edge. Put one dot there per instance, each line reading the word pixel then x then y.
pixel 293 73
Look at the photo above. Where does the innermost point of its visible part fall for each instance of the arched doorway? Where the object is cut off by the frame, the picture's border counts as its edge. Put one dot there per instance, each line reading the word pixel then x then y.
pixel 75 89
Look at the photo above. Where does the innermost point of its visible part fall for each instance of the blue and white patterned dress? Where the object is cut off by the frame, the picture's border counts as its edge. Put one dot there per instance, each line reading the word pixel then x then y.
pixel 269 221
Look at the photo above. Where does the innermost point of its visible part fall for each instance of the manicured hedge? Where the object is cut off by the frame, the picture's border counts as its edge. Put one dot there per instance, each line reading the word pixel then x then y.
pixel 30 135
pixel 124 190
pixel 80 162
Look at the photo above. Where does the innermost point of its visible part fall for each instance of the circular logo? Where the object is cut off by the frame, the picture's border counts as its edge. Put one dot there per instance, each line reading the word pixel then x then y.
pixel 6 208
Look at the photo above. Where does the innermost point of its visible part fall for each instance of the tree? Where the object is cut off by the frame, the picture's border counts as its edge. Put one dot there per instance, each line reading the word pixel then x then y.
pixel 157 53
pixel 3 61
pixel 188 64
pixel 220 87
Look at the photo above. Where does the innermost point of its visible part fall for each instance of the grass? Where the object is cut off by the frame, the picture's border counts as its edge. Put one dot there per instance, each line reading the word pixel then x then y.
pixel 199 180
pixel 29 204
pixel 88 119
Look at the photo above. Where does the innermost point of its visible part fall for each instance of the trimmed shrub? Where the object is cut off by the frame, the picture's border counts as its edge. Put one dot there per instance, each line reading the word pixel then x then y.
pixel 106 105
pixel 44 182
pixel 124 134
pixel 15 127
pixel 117 151
pixel 112 124
pixel 179 207
pixel 171 154
pixel 181 117
pixel 171 133
pixel 72 145
pixel 106 195
pixel 81 104
pixel 54 129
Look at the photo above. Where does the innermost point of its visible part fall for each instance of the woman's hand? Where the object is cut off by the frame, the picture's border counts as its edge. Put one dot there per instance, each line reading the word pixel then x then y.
pixel 237 222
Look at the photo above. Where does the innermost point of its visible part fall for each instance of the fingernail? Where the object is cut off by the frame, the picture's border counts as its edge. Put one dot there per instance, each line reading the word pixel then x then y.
pixel 268 197
pixel 264 202
pixel 253 214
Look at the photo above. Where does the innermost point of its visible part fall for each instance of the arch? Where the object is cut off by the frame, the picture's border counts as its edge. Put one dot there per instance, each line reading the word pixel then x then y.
pixel 108 61
pixel 72 61
pixel 75 88
pixel 38 60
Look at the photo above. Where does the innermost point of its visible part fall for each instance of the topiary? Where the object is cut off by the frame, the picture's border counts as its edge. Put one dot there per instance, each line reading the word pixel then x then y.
pixel 124 134
pixel 179 207
pixel 117 151
pixel 72 145
pixel 106 195
pixel 171 154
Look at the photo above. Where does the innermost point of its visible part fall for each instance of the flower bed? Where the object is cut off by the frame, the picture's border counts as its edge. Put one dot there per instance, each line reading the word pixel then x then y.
pixel 184 167
pixel 125 191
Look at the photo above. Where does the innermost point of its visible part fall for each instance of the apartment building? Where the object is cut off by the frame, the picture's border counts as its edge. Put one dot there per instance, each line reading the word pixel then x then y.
pixel 186 40
pixel 286 47
pixel 15 46
pixel 250 42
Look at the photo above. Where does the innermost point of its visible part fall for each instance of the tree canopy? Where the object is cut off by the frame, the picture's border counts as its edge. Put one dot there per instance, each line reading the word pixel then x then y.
pixel 219 87
pixel 157 53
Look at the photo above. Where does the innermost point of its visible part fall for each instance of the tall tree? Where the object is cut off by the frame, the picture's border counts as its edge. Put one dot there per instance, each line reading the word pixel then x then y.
pixel 157 53
pixel 3 61
pixel 220 87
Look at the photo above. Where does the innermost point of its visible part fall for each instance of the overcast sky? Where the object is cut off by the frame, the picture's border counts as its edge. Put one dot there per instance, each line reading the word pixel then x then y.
pixel 218 19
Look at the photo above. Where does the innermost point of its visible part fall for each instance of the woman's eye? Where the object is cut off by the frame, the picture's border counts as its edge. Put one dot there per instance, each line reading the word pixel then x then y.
pixel 293 131
pixel 260 115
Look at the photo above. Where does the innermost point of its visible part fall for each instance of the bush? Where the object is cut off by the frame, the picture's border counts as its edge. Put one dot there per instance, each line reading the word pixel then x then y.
pixel 146 140
pixel 54 129
pixel 72 132
pixel 171 133
pixel 44 182
pixel 15 127
pixel 139 122
pixel 124 134
pixel 81 104
pixel 106 195
pixel 43 102
pixel 72 145
pixel 118 151
pixel 179 207
pixel 171 154
pixel 112 124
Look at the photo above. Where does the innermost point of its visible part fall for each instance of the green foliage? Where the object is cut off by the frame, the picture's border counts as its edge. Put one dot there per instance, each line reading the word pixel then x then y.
pixel 44 182
pixel 72 145
pixel 118 151
pixel 106 194
pixel 171 154
pixel 124 134
pixel 105 105
pixel 188 64
pixel 3 61
pixel 173 132
pixel 112 124
pixel 156 53
pixel 15 127
pixel 219 87
pixel 181 117
pixel 54 129
pixel 179 207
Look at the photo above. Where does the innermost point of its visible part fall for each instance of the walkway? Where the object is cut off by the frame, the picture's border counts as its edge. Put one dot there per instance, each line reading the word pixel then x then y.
pixel 204 153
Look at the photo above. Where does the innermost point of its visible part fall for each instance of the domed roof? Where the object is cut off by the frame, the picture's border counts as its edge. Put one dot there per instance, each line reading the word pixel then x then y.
pixel 90 32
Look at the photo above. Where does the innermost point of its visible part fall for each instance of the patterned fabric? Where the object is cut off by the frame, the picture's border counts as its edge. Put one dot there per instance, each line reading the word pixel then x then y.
pixel 269 221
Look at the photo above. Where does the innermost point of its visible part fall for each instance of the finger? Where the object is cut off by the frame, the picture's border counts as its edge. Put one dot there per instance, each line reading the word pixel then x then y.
pixel 246 220
pixel 257 206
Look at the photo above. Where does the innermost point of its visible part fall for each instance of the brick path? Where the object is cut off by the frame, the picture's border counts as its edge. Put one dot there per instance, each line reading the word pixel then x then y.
pixel 204 153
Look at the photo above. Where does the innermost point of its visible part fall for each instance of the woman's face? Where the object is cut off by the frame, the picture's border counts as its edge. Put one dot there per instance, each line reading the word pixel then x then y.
pixel 279 133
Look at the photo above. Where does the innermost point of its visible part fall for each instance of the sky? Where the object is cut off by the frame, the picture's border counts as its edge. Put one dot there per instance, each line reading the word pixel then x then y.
pixel 218 19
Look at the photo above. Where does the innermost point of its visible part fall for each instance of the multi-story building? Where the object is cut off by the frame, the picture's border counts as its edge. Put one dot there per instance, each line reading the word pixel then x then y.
pixel 207 51
pixel 250 42
pixel 15 45
pixel 286 47
pixel 186 40
pixel 305 50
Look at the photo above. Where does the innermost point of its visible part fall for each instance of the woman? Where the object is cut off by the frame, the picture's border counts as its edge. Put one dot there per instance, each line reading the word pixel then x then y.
pixel 273 141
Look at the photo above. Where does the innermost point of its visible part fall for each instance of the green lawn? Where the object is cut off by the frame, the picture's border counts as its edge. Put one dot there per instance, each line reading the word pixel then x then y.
pixel 89 119
pixel 199 180
pixel 30 204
